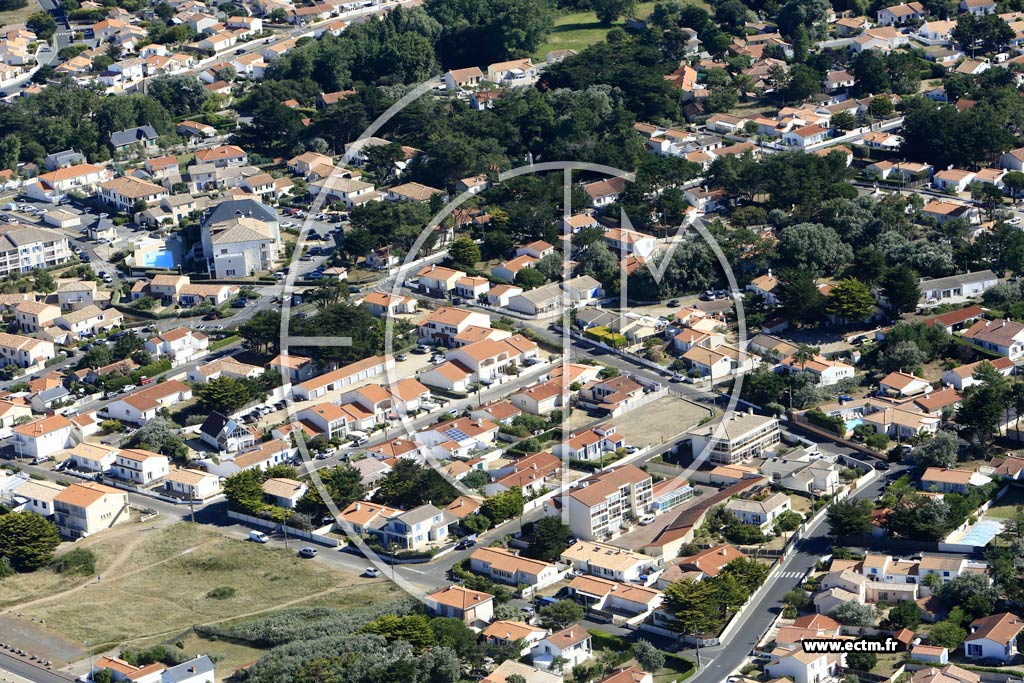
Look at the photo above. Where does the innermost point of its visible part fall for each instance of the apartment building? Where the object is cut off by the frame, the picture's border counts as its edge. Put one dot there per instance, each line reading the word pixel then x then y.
pixel 606 502
pixel 23 248
pixel 736 437
pixel 81 510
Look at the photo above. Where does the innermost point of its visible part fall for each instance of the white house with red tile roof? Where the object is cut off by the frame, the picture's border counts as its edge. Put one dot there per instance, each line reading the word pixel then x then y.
pixel 381 304
pixel 443 324
pixel 457 602
pixel 45 436
pixel 1005 337
pixel 140 466
pixel 346 376
pixel 903 384
pixel 570 646
pixel 590 444
pixel 180 345
pixel 142 405
pixel 994 636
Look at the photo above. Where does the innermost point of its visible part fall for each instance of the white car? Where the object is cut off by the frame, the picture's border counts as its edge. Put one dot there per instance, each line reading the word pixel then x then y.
pixel 646 519
pixel 371 572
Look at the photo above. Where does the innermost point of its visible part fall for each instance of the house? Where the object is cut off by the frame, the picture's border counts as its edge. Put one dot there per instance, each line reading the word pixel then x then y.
pixel 625 242
pixel 240 238
pixel 1012 160
pixel 963 376
pixel 125 192
pixel 87 457
pixel 944 211
pixel 825 372
pixel 511 668
pixel 515 72
pixel 629 600
pixel 766 286
pixel 139 466
pixel 720 362
pixel 508 567
pixel 444 324
pixel 978 7
pixel 608 561
pixel 601 193
pixel 437 280
pixel 413 192
pixel 194 131
pixel 53 186
pixel 511 632
pixel 44 437
pixel 457 79
pixel 571 646
pixel 703 564
pixel 734 438
pixel 930 654
pixel 472 287
pixel 416 529
pixel 591 444
pixel 24 352
pixel 953 180
pixel 958 319
pixel 81 510
pixel 805 136
pixel 602 504
pixel 759 513
pixel 532 474
pixel 382 304
pixel 614 396
pixel 903 385
pixel 283 492
pixel 89 320
pixel 461 603
pixel 222 156
pixel 180 345
pixel 540 399
pixel 142 405
pixel 192 484
pixel 994 637
pixel 950 673
pixel 508 270
pixel 1005 337
pixel 951 481
pixel 76 294
pixel 292 368
pixel 902 14
pixel 320 385
pixel 33 316
pixel 223 367
pixel 804 667
pixel 226 434
pixel 143 136
pixel 883 38
pixel 957 288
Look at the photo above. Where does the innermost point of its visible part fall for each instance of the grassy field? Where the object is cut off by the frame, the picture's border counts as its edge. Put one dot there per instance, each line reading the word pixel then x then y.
pixel 578 30
pixel 230 656
pixel 160 587
pixel 18 16
pixel 1004 507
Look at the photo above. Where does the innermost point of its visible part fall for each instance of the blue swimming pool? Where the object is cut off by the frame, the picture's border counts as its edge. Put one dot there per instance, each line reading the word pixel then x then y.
pixel 854 423
pixel 981 533
pixel 162 258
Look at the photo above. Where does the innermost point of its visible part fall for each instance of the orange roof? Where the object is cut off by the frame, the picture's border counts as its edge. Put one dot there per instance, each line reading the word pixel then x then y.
pixel 460 598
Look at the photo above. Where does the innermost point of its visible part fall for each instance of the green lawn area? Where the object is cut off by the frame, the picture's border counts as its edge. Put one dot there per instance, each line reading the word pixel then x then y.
pixel 578 30
pixel 1004 507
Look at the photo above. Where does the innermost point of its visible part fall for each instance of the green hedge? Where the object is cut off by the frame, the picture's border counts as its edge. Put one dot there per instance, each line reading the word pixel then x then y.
pixel 833 423
pixel 606 336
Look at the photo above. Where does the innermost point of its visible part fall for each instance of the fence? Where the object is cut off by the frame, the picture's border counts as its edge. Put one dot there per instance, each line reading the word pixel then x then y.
pixel 315 536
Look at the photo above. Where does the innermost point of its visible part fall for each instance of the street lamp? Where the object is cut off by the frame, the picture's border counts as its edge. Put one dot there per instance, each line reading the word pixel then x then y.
pixel 88 650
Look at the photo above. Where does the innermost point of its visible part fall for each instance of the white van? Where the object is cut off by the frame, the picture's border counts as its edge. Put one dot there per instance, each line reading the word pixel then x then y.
pixel 358 438
pixel 258 537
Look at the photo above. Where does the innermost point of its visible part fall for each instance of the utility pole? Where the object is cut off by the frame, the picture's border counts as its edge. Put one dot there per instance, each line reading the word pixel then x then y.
pixel 89 650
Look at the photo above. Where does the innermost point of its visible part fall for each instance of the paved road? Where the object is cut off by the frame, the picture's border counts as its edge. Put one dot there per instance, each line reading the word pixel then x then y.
pixel 20 667
pixel 722 660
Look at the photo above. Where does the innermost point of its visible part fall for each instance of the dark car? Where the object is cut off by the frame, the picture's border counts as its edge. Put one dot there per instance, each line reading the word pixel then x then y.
pixel 674 303
pixel 881 465
pixel 239 303
pixel 465 543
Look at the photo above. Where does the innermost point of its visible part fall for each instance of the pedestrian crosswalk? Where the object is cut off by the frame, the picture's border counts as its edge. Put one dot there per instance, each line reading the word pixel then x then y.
pixel 791 575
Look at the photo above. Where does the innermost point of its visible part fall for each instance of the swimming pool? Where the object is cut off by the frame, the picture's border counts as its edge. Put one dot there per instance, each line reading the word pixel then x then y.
pixel 854 423
pixel 981 533
pixel 160 258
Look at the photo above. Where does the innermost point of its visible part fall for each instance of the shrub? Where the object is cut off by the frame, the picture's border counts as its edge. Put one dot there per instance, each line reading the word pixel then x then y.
pixel 77 561
pixel 221 593
pixel 833 423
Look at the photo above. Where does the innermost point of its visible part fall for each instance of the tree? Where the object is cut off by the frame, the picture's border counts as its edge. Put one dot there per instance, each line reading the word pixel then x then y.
pixel 694 604
pixel 529 278
pixel 42 24
pixel 901 289
pixel 801 301
pixel 850 301
pixel 178 94
pixel 749 572
pixel 561 613
pixel 851 517
pixel 903 356
pixel 160 436
pixel 410 484
pixel 802 82
pixel 947 634
pixel 788 521
pixel 972 593
pixel 224 394
pixel 648 656
pixel 244 490
pixel 550 538
pixel 262 332
pixel 905 614
pixel 813 248
pixel 844 121
pixel 504 505
pixel 608 11
pixel 861 661
pixel 344 485
pixel 854 614
pixel 44 281
pixel 28 540
pixel 938 451
pixel 984 403
pixel 464 252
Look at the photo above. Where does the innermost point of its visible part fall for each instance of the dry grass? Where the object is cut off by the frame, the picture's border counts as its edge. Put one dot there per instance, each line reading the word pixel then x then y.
pixel 161 589
pixel 230 656
pixel 19 16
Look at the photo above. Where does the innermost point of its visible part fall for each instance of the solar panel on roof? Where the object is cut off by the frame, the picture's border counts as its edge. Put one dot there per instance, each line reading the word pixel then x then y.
pixel 456 434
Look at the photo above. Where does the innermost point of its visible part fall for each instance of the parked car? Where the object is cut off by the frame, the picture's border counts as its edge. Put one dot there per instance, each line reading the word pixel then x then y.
pixel 307 552
pixel 646 519
pixel 882 465
pixel 258 537
pixel 465 543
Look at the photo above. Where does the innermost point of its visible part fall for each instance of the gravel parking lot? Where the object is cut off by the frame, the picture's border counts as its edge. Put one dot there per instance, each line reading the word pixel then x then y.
pixel 660 421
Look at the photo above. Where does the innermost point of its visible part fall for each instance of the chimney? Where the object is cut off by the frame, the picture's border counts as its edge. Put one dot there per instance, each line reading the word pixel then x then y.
pixel 359 506
pixel 722 552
